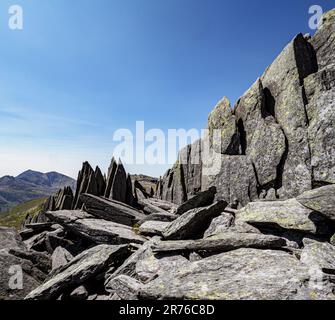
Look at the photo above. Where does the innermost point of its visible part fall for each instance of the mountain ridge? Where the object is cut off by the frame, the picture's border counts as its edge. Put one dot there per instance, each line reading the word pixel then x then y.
pixel 30 185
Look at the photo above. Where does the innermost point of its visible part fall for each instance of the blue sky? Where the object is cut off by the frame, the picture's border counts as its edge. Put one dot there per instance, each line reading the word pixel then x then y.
pixel 82 69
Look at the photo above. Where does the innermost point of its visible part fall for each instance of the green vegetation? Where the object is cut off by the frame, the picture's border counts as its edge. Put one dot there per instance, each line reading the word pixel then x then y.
pixel 15 216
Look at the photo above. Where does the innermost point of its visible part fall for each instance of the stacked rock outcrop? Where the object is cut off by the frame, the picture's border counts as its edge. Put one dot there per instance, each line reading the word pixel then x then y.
pixel 279 140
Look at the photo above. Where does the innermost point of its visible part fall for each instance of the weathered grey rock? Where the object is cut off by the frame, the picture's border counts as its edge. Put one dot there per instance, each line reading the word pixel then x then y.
pixel 289 214
pixel 92 187
pixel 110 177
pixel 100 180
pixel 80 269
pixel 248 113
pixel 124 286
pixel 174 187
pixel 34 229
pixel 149 208
pixel 318 255
pixel 190 159
pixel 119 185
pixel 63 199
pixel 49 205
pixel 26 234
pixel 40 260
pixel 86 183
pixel 283 81
pixel 321 200
pixel 245 274
pixel 332 240
pixel 10 288
pixel 140 191
pixel 221 243
pixel 64 217
pixel 266 151
pixel 130 199
pixel 163 205
pixel 193 223
pixel 151 267
pixel 96 230
pixel 40 227
pixel 241 227
pixel 79 294
pixel 320 95
pixel 10 239
pixel 194 257
pixel 60 258
pixel 262 139
pixel 220 224
pixel 221 120
pixel 151 228
pixel 54 241
pixel 102 298
pixel 234 179
pixel 285 129
pixel 202 199
pixel 37 242
pixel 111 210
pixel 162 217
pixel 115 297
pixel 324 40
pixel 129 266
pixel 46 240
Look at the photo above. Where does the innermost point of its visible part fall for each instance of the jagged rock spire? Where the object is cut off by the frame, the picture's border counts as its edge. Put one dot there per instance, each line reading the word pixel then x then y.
pixel 101 182
pixel 119 185
pixel 130 200
pixel 110 177
pixel 85 184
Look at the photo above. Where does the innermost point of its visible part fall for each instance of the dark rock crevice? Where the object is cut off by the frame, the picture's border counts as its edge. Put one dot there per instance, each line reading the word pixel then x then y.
pixel 320 184
pixel 183 184
pixel 243 137
pixel 305 56
pixel 269 106
pixel 281 166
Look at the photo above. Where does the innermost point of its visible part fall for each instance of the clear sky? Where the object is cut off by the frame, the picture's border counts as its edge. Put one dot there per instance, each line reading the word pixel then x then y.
pixel 81 69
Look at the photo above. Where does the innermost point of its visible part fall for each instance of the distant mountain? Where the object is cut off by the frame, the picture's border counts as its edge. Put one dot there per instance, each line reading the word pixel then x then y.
pixel 30 185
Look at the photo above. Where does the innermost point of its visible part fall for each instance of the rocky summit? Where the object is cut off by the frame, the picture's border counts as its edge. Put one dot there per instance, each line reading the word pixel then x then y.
pixel 261 228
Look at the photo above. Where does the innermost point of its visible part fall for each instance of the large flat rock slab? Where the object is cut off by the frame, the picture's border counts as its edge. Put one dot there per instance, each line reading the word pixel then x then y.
pixel 202 199
pixel 83 267
pixel 151 267
pixel 193 223
pixel 319 255
pixel 288 214
pixel 96 230
pixel 221 243
pixel 152 228
pixel 161 216
pixel 111 210
pixel 245 274
pixel 129 266
pixel 321 200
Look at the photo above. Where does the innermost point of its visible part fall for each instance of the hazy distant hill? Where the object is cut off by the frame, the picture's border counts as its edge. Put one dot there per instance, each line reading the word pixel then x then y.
pixel 30 185
pixel 15 216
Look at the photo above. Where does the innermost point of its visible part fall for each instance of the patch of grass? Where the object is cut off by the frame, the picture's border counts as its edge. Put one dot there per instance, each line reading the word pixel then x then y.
pixel 15 216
